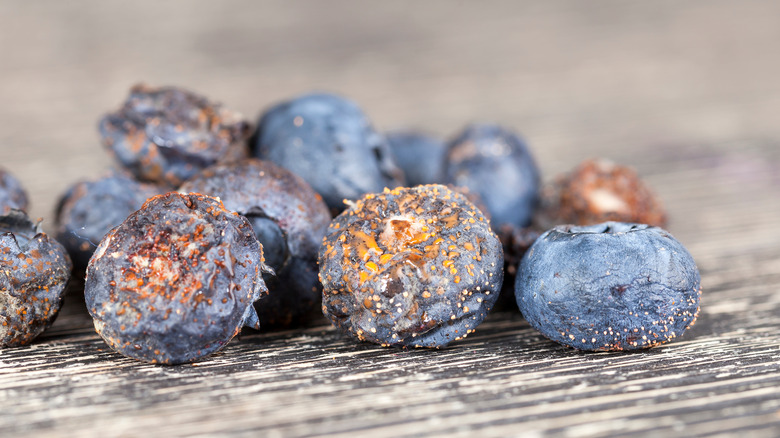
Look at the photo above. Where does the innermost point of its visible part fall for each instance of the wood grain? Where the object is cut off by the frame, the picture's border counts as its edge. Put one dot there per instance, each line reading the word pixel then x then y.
pixel 685 92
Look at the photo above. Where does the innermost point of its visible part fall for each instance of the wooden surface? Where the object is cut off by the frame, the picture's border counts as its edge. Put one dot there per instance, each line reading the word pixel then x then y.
pixel 688 93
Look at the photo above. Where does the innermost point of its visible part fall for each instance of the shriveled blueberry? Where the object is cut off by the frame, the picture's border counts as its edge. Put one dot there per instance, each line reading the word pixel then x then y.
pixel 166 135
pixel 420 156
pixel 176 280
pixel 497 165
pixel 598 191
pixel 289 219
pixel 611 286
pixel 34 271
pixel 413 266
pixel 12 194
pixel 330 143
pixel 90 209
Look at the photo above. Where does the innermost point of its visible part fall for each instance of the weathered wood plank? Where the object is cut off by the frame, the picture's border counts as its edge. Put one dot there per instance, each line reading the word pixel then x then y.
pixel 687 93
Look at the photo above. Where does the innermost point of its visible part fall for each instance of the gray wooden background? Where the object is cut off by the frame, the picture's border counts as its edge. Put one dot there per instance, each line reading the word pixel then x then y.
pixel 687 92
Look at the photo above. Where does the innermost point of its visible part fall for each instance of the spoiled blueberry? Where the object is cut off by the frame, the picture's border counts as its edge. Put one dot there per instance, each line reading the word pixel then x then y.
pixel 34 271
pixel 411 267
pixel 166 135
pixel 12 194
pixel 176 280
pixel 598 191
pixel 289 219
pixel 611 286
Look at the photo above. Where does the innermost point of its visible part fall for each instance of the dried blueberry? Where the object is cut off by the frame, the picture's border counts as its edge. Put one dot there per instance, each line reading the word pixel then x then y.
pixel 289 219
pixel 413 266
pixel 611 286
pixel 420 156
pixel 330 143
pixel 599 191
pixel 34 271
pixel 166 135
pixel 497 165
pixel 176 280
pixel 90 209
pixel 12 194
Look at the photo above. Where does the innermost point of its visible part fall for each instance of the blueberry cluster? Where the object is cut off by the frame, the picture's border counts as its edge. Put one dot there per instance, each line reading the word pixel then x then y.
pixel 203 227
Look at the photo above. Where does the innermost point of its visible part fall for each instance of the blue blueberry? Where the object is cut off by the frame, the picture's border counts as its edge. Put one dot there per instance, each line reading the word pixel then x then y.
pixel 289 219
pixel 611 286
pixel 166 135
pixel 176 280
pixel 413 266
pixel 12 194
pixel 90 209
pixel 34 271
pixel 497 165
pixel 330 143
pixel 420 156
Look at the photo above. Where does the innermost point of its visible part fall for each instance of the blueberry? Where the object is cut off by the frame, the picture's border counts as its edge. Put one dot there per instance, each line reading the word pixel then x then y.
pixel 611 286
pixel 599 191
pixel 420 156
pixel 176 280
pixel 289 219
pixel 90 209
pixel 497 165
pixel 411 267
pixel 12 194
pixel 330 143
pixel 515 242
pixel 34 271
pixel 166 135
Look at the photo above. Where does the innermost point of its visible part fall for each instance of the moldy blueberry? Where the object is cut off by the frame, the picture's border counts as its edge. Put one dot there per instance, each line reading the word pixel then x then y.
pixel 611 286
pixel 289 219
pixel 598 191
pixel 420 156
pixel 496 164
pixel 89 210
pixel 412 267
pixel 12 194
pixel 176 280
pixel 34 271
pixel 166 135
pixel 330 143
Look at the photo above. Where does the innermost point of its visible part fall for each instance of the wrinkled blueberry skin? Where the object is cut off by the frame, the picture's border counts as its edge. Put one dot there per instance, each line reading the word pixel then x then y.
pixel 420 157
pixel 413 266
pixel 330 143
pixel 607 287
pixel 34 271
pixel 497 165
pixel 12 194
pixel 175 281
pixel 290 220
pixel 90 209
pixel 599 191
pixel 167 135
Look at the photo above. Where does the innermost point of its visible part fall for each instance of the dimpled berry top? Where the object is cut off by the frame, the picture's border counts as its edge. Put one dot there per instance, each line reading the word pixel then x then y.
pixel 412 266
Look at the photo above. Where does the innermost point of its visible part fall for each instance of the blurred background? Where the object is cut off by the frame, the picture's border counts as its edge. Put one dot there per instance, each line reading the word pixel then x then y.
pixel 624 80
